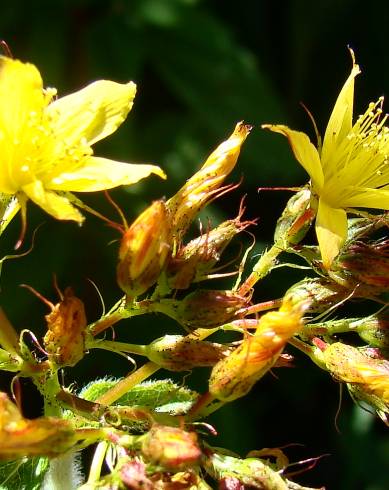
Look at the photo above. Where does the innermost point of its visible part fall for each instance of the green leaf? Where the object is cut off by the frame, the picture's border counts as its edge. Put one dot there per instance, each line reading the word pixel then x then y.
pixel 163 396
pixel 23 474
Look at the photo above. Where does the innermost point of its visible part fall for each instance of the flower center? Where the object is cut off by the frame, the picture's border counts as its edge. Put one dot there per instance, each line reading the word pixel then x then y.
pixel 37 149
pixel 361 159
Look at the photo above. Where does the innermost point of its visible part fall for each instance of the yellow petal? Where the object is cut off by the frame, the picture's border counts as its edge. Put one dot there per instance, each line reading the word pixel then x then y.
pixel 304 151
pixel 100 173
pixel 331 231
pixel 367 198
pixel 57 206
pixel 340 122
pixel 92 113
pixel 21 93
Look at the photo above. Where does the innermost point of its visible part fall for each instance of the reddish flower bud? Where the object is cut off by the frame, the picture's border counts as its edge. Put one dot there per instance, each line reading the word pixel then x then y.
pixel 318 294
pixel 179 353
pixel 171 448
pixel 364 267
pixel 208 308
pixel 194 262
pixel 66 329
pixel 143 250
pixel 133 475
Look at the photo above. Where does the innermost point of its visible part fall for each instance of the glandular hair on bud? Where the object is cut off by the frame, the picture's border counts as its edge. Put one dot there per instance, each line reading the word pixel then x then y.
pixel 375 330
pixel 352 365
pixel 209 308
pixel 363 267
pixel 318 293
pixel 144 249
pixel 203 185
pixel 66 329
pixel 180 353
pixel 195 260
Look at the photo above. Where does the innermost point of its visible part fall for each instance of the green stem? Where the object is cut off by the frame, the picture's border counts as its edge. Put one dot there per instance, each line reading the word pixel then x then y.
pixel 123 386
pixel 261 268
pixel 117 347
pixel 97 462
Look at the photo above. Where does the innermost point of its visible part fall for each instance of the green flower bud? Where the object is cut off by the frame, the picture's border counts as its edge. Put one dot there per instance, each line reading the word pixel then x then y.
pixel 295 220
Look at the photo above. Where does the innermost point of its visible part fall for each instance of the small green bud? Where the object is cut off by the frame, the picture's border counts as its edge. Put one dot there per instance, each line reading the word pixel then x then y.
pixel 295 220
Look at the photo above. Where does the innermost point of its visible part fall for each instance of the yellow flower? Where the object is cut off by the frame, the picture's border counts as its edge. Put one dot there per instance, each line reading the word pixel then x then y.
pixel 350 170
pixel 46 143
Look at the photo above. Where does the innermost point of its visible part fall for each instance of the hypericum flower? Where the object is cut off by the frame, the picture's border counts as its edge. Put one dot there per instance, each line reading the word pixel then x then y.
pixel 350 170
pixel 46 143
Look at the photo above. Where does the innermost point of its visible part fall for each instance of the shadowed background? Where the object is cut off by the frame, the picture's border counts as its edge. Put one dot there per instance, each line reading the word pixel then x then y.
pixel 200 67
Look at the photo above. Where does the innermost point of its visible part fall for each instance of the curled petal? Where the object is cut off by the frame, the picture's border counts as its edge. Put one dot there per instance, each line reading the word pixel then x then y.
pixel 304 151
pixel 92 113
pixel 331 231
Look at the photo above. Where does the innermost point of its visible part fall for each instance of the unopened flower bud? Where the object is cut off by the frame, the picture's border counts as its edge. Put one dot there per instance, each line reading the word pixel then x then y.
pixel 360 228
pixel 234 376
pixel 209 308
pixel 194 262
pixel 205 184
pixel 143 250
pixel 318 293
pixel 238 473
pixel 133 475
pixel 363 267
pixel 20 437
pixel 366 375
pixel 66 329
pixel 179 353
pixel 170 447
pixel 295 220
pixel 375 330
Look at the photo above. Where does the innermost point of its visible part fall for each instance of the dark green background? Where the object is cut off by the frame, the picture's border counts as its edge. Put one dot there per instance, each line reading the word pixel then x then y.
pixel 201 67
